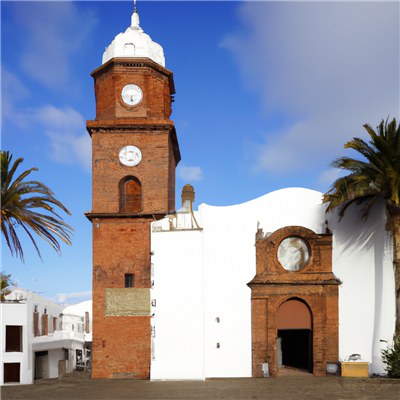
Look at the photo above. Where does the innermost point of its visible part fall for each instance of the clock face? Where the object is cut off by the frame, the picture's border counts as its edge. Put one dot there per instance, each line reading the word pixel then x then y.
pixel 132 95
pixel 293 253
pixel 130 156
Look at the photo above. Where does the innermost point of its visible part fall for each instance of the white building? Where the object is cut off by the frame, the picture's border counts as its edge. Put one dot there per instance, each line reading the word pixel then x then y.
pixel 42 339
pixel 203 261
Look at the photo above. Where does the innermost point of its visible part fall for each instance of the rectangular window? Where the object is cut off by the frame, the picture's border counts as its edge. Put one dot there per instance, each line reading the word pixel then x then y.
pixel 36 330
pixel 129 280
pixel 87 328
pixel 45 325
pixel 13 338
pixel 12 372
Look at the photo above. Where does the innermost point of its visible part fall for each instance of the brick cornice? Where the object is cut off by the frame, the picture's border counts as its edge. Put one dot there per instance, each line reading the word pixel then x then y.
pixel 134 63
pixel 128 124
pixel 152 216
pixel 304 279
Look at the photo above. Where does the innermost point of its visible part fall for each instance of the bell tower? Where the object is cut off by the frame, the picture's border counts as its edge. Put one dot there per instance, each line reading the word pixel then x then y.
pixel 134 155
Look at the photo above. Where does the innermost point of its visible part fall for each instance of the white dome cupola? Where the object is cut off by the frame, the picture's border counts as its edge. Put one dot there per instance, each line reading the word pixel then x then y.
pixel 134 43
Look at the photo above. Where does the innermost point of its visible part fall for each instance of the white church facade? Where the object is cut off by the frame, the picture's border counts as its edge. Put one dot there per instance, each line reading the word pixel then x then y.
pixel 201 321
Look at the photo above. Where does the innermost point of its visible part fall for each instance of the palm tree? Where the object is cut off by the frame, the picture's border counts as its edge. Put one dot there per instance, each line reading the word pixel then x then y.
pixel 4 283
pixel 377 177
pixel 20 205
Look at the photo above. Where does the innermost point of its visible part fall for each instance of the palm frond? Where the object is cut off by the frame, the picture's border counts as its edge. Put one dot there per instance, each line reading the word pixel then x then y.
pixel 21 206
pixel 377 176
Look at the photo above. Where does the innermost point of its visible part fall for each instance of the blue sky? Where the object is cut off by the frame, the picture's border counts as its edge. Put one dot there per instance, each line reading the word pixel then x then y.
pixel 267 93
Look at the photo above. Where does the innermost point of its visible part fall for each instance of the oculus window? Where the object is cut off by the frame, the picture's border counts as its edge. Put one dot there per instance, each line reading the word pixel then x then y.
pixel 293 253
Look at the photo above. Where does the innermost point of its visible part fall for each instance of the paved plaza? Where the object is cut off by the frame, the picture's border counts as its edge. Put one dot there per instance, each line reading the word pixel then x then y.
pixel 286 387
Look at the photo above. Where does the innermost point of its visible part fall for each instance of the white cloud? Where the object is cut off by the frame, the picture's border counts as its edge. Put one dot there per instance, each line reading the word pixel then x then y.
pixel 65 128
pixel 322 67
pixel 12 91
pixel 190 174
pixel 69 142
pixel 71 298
pixel 48 43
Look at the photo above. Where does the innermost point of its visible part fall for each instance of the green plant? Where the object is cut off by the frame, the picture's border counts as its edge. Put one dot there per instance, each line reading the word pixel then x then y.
pixel 4 283
pixel 22 205
pixel 376 175
pixel 391 357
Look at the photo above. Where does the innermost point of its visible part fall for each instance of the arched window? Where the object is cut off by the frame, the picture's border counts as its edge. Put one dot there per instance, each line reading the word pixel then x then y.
pixel 130 199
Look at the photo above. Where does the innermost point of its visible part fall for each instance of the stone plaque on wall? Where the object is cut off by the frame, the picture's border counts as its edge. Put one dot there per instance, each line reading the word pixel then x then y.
pixel 128 302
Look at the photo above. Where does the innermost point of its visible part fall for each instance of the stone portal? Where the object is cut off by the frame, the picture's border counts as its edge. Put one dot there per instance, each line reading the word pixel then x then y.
pixel 294 299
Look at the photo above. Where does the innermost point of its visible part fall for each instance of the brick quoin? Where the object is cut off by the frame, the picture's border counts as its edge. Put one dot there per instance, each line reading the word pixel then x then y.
pixel 315 284
pixel 121 240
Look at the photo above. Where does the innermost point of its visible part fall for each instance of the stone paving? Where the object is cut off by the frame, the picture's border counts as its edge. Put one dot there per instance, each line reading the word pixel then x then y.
pixel 288 386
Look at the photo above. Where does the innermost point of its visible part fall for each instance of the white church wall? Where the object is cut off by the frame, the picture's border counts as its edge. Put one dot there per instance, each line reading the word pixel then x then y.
pixel 386 313
pixel 362 260
pixel 217 319
pixel 178 319
pixel 229 263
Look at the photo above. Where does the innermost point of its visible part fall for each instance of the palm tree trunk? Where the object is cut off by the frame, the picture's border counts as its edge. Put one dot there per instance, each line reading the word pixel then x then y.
pixel 395 228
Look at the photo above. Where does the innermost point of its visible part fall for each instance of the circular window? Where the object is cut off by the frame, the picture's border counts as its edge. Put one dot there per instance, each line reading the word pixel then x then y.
pixel 293 253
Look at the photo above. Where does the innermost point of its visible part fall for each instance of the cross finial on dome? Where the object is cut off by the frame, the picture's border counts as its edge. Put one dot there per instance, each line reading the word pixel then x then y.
pixel 134 43
pixel 135 17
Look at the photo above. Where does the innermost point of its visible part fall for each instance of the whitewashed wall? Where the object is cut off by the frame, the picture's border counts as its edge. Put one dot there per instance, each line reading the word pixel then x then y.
pixel 54 356
pixel 362 259
pixel 229 264
pixel 22 314
pixel 15 314
pixel 191 296
pixel 178 290
pixel 190 300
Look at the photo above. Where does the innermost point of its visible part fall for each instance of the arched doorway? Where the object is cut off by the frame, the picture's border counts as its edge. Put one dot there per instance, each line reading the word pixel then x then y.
pixel 294 332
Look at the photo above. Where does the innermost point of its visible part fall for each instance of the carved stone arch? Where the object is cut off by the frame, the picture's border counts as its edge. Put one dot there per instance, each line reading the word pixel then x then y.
pixel 130 195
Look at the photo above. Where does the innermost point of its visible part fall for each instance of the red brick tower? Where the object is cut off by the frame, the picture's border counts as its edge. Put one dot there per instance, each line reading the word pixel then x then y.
pixel 135 153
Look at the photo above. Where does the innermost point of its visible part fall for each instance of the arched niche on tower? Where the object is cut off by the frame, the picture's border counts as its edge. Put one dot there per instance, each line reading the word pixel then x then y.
pixel 130 195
